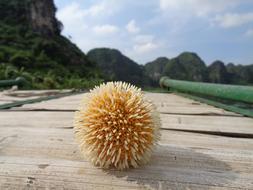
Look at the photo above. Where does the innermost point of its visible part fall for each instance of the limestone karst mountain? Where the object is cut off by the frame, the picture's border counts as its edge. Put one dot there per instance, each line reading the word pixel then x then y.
pixel 31 46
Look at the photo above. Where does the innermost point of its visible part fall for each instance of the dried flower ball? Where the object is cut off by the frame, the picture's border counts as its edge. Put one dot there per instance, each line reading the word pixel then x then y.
pixel 116 126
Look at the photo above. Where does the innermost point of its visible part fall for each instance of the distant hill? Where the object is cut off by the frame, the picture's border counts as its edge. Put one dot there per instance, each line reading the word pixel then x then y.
pixel 240 74
pixel 217 73
pixel 31 46
pixel 154 69
pixel 116 66
pixel 186 66
pixel 189 66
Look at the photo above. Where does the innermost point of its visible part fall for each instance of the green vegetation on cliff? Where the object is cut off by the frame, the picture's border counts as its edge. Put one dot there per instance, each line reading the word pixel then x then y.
pixel 116 66
pixel 189 66
pixel 217 73
pixel 154 69
pixel 31 46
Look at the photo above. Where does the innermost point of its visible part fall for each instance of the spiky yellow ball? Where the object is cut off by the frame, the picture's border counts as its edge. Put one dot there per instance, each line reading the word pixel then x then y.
pixel 116 126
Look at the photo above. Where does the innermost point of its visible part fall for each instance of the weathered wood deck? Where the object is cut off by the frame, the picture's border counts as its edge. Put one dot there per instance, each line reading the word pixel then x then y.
pixel 202 147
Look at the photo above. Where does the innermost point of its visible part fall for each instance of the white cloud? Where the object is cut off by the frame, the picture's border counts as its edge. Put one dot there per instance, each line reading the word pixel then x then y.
pixel 143 38
pixel 174 24
pixel 132 27
pixel 144 43
pixel 71 14
pixel 145 47
pixel 96 9
pixel 79 22
pixel 75 11
pixel 229 20
pixel 104 8
pixel 197 7
pixel 249 33
pixel 106 29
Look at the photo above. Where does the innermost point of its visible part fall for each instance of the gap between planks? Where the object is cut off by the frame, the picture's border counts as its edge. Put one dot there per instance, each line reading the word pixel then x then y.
pixel 20 109
pixel 240 127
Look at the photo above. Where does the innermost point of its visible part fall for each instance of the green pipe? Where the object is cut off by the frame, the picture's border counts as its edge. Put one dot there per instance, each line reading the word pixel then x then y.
pixel 230 92
pixel 18 81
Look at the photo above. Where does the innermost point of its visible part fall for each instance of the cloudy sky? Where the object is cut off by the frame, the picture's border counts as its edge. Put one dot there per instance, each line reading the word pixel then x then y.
pixel 147 29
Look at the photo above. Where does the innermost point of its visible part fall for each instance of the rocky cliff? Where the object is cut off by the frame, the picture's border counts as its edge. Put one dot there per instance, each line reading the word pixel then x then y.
pixel 42 17
pixel 31 46
pixel 36 14
pixel 116 66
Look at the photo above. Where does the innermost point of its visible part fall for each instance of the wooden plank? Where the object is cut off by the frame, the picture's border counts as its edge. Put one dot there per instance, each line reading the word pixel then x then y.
pixel 63 174
pixel 219 124
pixel 38 119
pixel 38 151
pixel 77 175
pixel 30 93
pixel 9 96
pixel 168 98
pixel 3 101
pixel 165 103
pixel 62 140
pixel 50 156
pixel 64 103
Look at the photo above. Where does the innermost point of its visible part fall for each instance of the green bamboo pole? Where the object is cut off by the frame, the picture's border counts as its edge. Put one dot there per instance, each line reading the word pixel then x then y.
pixel 18 81
pixel 229 92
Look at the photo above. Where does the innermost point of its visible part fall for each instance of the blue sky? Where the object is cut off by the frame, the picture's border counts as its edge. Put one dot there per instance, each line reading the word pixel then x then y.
pixel 146 29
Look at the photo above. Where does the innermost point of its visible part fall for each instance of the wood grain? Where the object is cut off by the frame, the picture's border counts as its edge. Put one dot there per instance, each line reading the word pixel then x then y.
pixel 165 103
pixel 60 119
pixel 38 150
